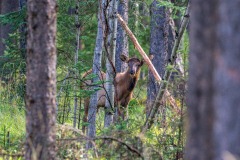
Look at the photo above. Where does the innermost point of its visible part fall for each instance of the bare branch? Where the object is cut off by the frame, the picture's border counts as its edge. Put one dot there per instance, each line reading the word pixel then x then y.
pixel 129 147
pixel 132 149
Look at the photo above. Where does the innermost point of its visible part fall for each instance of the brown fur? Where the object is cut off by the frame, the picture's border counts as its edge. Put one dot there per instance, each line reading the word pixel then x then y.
pixel 101 94
pixel 124 84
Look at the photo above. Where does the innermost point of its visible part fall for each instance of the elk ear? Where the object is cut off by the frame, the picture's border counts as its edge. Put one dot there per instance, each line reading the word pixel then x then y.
pixel 124 58
pixel 151 57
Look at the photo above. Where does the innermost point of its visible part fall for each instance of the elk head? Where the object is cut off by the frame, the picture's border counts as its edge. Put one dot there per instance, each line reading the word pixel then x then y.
pixel 134 65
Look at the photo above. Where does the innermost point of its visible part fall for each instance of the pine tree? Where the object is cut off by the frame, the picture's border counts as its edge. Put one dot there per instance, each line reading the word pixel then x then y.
pixel 41 80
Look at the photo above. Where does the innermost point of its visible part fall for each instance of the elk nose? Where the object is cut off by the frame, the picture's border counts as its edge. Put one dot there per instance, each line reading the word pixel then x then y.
pixel 131 72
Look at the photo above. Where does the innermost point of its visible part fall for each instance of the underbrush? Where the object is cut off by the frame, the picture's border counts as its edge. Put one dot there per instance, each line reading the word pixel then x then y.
pixel 12 131
pixel 122 140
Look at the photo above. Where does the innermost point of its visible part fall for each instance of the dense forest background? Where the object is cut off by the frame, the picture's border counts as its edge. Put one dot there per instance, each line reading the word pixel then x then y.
pixel 47 47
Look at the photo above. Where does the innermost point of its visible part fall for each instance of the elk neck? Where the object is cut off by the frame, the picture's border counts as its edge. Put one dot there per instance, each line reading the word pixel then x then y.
pixel 128 81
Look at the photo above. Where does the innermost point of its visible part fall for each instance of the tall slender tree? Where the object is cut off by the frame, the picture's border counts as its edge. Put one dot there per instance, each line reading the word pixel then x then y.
pixel 41 80
pixel 1 45
pixel 77 24
pixel 92 110
pixel 6 7
pixel 122 39
pixel 159 47
pixel 23 31
pixel 214 80
pixel 110 63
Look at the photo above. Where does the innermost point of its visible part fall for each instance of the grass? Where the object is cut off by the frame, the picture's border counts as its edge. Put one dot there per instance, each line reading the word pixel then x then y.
pixel 12 128
pixel 161 138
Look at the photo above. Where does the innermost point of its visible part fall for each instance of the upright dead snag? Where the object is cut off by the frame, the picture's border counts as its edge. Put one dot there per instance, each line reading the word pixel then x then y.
pixel 163 87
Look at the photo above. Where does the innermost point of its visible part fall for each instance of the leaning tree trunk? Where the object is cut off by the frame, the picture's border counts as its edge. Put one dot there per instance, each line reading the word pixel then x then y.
pixel 159 48
pixel 7 6
pixel 41 80
pixel 110 63
pixel 92 110
pixel 214 80
pixel 122 38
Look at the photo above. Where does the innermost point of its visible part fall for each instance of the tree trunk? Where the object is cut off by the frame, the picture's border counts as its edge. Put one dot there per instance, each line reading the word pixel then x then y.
pixel 7 6
pixel 23 33
pixel 122 38
pixel 159 48
pixel 92 110
pixel 164 85
pixel 41 80
pixel 214 81
pixel 1 36
pixel 110 75
pixel 77 24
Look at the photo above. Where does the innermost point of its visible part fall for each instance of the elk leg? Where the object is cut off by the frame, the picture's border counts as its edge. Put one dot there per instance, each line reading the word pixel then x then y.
pixel 85 117
pixel 125 107
pixel 116 115
pixel 125 113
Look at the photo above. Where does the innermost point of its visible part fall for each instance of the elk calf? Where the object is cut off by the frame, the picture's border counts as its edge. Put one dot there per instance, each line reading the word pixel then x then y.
pixel 124 84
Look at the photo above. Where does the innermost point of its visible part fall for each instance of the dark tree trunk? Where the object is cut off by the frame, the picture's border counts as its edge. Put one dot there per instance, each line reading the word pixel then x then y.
pixel 41 80
pixel 214 80
pixel 7 6
pixel 159 48
pixel 1 45
pixel 23 32
pixel 122 39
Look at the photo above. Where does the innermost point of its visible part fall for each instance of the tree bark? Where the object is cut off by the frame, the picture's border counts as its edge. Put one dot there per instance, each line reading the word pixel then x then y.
pixel 6 7
pixel 92 110
pixel 110 63
pixel 1 37
pixel 41 80
pixel 159 49
pixel 214 81
pixel 122 39
pixel 163 87
pixel 23 33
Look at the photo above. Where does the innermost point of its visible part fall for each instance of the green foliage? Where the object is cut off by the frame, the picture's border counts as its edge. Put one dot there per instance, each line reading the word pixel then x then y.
pixel 15 19
pixel 176 7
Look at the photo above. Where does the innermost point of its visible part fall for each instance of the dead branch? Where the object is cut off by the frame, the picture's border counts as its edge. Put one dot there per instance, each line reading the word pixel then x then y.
pixel 139 48
pixel 129 147
pixel 83 136
pixel 168 96
pixel 163 87
pixel 132 149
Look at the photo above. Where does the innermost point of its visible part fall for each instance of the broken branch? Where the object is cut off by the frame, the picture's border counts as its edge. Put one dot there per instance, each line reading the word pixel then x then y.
pixel 147 60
